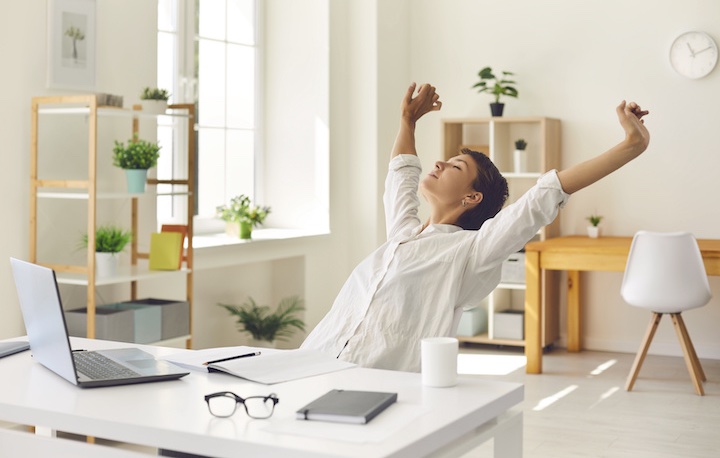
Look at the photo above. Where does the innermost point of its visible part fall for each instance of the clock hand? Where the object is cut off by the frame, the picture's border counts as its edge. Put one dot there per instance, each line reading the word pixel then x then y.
pixel 691 50
pixel 703 50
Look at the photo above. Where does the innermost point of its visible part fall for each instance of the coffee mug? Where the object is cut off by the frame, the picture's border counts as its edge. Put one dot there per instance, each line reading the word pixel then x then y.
pixel 439 361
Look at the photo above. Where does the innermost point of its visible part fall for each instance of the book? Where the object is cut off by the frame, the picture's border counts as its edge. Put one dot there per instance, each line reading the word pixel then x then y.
pixel 165 250
pixel 183 230
pixel 346 406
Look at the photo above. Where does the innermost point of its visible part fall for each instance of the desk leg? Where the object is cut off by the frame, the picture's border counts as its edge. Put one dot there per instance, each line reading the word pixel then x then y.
pixel 533 303
pixel 573 311
pixel 509 438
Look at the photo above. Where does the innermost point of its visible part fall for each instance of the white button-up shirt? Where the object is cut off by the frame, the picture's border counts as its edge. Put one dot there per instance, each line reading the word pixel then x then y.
pixel 417 283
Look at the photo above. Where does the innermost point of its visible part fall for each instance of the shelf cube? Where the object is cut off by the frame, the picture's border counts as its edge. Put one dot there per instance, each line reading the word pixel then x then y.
pixel 509 324
pixel 117 325
pixel 174 316
pixel 513 269
pixel 472 322
pixel 146 321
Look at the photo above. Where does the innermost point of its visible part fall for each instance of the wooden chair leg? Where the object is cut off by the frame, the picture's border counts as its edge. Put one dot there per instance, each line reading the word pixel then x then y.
pixel 691 347
pixel 692 364
pixel 640 357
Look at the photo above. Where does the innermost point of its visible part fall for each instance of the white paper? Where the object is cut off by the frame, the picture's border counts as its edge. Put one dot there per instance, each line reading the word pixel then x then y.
pixel 196 359
pixel 283 366
pixel 271 366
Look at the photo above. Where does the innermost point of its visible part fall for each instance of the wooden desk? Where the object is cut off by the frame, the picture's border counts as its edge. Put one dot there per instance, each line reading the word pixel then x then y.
pixel 173 415
pixel 575 254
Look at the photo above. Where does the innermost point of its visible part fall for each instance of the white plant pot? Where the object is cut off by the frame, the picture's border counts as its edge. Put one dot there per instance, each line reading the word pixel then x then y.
pixel 593 232
pixel 106 264
pixel 154 106
pixel 520 161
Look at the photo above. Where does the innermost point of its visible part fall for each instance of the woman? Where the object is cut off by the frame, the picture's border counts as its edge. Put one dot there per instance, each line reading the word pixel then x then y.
pixel 418 282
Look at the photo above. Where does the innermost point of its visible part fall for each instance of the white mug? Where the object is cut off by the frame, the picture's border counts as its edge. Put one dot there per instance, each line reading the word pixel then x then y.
pixel 439 361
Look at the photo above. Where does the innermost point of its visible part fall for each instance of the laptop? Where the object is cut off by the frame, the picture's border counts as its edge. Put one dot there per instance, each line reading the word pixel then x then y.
pixel 50 345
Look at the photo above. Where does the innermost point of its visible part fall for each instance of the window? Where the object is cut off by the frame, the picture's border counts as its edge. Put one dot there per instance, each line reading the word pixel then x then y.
pixel 208 55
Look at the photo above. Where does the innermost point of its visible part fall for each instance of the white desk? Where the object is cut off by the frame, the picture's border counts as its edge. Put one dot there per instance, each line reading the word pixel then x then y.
pixel 173 415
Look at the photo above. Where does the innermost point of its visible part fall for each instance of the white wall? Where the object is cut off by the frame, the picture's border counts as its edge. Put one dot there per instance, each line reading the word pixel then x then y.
pixel 574 60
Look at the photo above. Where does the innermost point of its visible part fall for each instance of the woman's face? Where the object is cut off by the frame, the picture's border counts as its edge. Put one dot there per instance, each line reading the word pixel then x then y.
pixel 449 182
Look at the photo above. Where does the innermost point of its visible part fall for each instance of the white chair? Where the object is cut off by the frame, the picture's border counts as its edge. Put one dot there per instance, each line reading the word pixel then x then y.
pixel 666 275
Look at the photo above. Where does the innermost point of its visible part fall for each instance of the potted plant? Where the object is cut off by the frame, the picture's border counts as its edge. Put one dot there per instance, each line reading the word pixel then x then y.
pixel 594 228
pixel 154 100
pixel 110 240
pixel 136 158
pixel 519 156
pixel 497 87
pixel 266 326
pixel 241 215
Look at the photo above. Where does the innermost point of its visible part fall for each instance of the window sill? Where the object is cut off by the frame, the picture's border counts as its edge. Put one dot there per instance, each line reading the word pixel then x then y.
pixel 258 236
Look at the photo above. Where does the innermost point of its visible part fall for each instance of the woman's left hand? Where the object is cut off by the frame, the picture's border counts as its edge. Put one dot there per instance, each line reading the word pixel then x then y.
pixel 426 100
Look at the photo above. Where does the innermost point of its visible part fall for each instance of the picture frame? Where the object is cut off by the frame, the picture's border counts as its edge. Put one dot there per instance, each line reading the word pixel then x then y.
pixel 71 44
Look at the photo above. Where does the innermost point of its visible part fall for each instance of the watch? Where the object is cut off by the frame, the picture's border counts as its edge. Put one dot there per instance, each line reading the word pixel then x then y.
pixel 693 54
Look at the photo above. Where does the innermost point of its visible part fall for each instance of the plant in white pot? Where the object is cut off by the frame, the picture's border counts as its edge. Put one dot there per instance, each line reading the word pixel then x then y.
pixel 264 325
pixel 520 156
pixel 594 228
pixel 154 100
pixel 497 87
pixel 241 215
pixel 110 240
pixel 136 158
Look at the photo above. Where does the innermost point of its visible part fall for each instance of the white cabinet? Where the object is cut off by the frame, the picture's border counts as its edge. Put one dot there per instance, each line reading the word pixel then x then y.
pixel 74 187
pixel 496 138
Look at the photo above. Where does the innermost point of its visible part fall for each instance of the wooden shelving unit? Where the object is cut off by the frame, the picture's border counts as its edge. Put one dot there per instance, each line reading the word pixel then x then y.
pixel 45 111
pixel 496 138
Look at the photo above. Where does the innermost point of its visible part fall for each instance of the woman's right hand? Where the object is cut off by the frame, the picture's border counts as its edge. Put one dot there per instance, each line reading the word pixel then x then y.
pixel 426 100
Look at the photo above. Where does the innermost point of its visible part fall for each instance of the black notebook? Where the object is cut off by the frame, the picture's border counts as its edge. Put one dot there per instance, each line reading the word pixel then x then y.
pixel 346 406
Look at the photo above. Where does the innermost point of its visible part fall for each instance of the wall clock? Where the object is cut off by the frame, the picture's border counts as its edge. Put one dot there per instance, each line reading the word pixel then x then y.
pixel 694 54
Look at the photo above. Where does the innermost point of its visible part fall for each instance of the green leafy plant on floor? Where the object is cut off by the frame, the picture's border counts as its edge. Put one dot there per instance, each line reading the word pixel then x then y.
pixel 262 323
pixel 108 239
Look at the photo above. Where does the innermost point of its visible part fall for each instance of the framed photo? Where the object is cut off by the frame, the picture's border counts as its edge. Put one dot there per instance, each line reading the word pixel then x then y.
pixel 71 44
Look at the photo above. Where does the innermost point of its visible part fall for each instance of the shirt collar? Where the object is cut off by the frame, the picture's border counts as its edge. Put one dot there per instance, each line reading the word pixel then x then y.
pixel 442 228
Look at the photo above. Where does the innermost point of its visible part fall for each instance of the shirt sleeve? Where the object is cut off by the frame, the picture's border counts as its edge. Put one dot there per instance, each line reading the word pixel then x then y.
pixel 517 223
pixel 400 199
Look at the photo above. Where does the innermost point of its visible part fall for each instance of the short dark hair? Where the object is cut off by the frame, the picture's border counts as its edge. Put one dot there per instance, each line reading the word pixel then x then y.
pixel 492 185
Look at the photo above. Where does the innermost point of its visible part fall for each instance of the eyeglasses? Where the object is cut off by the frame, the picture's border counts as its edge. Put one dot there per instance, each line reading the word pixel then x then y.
pixel 224 403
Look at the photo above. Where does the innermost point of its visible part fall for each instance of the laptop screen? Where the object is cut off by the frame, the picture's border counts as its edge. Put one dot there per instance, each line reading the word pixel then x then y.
pixel 44 319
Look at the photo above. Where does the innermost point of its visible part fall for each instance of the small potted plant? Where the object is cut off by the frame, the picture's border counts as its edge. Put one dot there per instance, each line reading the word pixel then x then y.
pixel 497 87
pixel 136 158
pixel 519 156
pixel 266 326
pixel 594 228
pixel 154 100
pixel 110 240
pixel 241 216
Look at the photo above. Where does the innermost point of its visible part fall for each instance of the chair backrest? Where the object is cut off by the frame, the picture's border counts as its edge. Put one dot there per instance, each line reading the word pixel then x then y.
pixel 665 273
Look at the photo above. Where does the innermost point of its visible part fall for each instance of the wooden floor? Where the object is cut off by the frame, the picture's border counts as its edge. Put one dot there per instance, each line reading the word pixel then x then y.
pixel 579 407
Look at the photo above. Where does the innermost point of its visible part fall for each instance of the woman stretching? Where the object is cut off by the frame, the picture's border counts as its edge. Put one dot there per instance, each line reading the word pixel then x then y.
pixel 418 282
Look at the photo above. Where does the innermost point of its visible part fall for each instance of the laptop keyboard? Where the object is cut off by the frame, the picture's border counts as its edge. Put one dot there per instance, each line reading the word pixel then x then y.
pixel 99 367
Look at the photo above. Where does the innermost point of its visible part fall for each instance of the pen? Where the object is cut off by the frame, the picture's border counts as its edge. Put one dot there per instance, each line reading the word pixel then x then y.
pixel 246 355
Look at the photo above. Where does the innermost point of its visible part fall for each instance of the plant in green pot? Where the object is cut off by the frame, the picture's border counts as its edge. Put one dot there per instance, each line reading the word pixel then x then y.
pixel 264 325
pixel 154 100
pixel 497 86
pixel 136 158
pixel 241 215
pixel 110 240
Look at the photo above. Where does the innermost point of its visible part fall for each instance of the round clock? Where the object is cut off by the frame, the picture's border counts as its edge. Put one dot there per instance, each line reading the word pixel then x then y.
pixel 694 54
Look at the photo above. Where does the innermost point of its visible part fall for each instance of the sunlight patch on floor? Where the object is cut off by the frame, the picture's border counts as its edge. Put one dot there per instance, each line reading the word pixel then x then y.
pixel 479 364
pixel 603 367
pixel 605 395
pixel 550 400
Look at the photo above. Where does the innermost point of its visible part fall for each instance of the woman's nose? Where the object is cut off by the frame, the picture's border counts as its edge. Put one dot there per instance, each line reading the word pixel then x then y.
pixel 439 165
